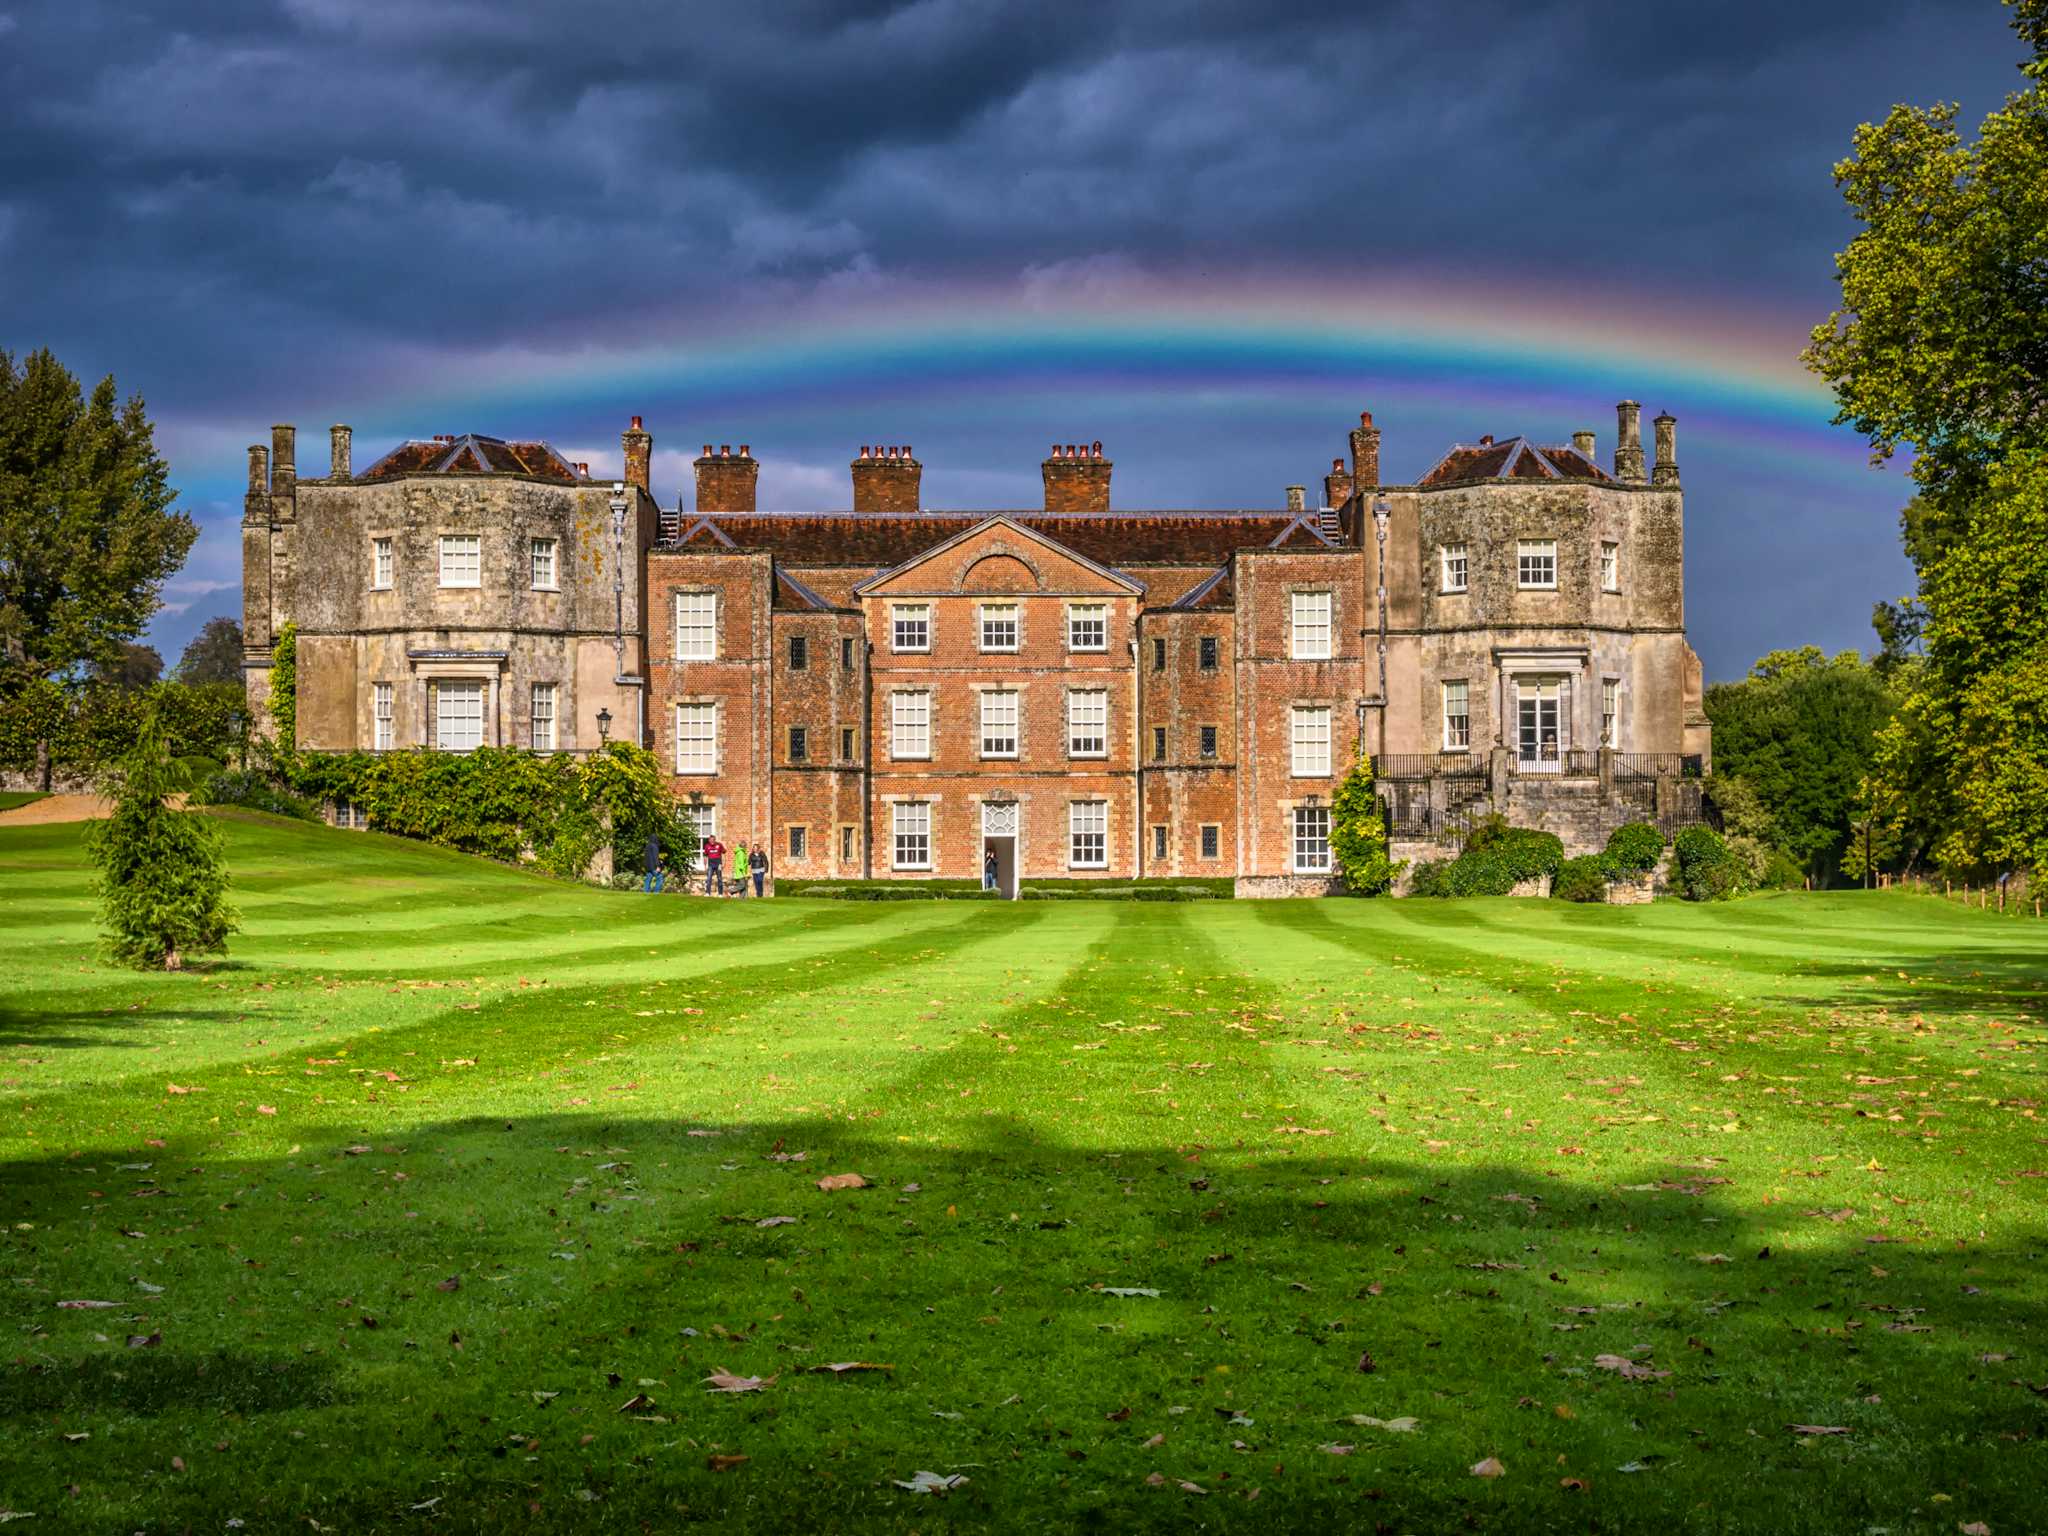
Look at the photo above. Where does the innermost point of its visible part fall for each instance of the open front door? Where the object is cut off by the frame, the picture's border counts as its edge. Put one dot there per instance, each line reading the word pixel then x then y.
pixel 999 837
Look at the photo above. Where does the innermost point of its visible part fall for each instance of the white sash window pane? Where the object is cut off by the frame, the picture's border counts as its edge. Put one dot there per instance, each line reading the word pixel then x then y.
pixel 1457 715
pixel 1610 712
pixel 380 563
pixel 1610 566
pixel 459 716
pixel 696 626
pixel 1088 834
pixel 544 563
pixel 910 627
pixel 696 738
pixel 1536 563
pixel 381 713
pixel 1311 741
pixel 1088 627
pixel 543 717
pixel 1456 568
pixel 1088 722
pixel 910 724
pixel 999 626
pixel 704 818
pixel 1311 626
pixel 462 559
pixel 999 723
pixel 911 826
pixel 1312 839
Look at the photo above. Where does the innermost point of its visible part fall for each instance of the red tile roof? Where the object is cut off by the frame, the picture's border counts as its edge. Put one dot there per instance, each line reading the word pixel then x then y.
pixel 472 454
pixel 887 539
pixel 1516 458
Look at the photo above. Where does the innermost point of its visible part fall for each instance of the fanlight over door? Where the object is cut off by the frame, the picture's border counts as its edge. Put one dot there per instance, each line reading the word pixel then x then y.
pixel 999 818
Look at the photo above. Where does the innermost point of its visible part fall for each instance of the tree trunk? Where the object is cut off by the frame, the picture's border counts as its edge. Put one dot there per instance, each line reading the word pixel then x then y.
pixel 43 765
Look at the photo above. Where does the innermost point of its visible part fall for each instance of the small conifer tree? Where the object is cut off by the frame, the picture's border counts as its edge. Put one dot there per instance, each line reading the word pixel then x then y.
pixel 1358 833
pixel 162 874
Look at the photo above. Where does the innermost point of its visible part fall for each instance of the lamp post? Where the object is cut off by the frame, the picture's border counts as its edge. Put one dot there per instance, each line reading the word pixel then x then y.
pixel 604 726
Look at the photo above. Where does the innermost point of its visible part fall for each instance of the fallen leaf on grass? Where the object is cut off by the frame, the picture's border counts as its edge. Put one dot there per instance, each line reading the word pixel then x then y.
pixel 1127 1290
pixel 1334 1449
pixel 1489 1468
pixel 1302 1130
pixel 1974 1528
pixel 725 1381
pixel 86 1306
pixel 833 1181
pixel 144 1340
pixel 452 1283
pixel 1712 1258
pixel 841 1367
pixel 776 1221
pixel 1629 1369
pixel 1404 1425
pixel 1816 1429
pixel 931 1482
pixel 174 1088
pixel 1153 1444
pixel 1571 1484
pixel 724 1463
pixel 266 1109
pixel 637 1403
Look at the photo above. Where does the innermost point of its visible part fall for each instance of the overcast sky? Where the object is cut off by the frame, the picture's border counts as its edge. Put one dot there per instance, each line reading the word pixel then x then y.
pixel 454 215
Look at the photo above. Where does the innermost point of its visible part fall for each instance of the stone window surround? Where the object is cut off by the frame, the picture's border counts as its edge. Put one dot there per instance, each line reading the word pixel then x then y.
pixel 1562 662
pixel 1443 562
pixel 1107 724
pixel 1329 707
pixel 1016 607
pixel 1108 830
pixel 1016 692
pixel 387 556
pixel 1294 866
pixel 791 837
pixel 487 667
pixel 1201 837
pixel 717 735
pixel 1296 589
pixel 701 802
pixel 1067 618
pixel 554 559
pixel 931 723
pixel 1600 549
pixel 926 609
pixel 675 628
pixel 1535 546
pixel 931 835
pixel 441 543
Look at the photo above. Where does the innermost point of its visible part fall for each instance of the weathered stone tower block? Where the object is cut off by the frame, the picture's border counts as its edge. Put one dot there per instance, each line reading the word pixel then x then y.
pixel 1665 471
pixel 339 450
pixel 1628 443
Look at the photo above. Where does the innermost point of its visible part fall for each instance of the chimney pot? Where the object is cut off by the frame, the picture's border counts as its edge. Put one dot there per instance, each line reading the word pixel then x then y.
pixel 340 439
pixel 1297 498
pixel 725 450
pixel 1096 451
pixel 1365 418
pixel 707 450
pixel 745 452
pixel 636 423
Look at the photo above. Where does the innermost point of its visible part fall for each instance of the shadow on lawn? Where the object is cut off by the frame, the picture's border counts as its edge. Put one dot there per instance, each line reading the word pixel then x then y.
pixel 112 1028
pixel 596 1251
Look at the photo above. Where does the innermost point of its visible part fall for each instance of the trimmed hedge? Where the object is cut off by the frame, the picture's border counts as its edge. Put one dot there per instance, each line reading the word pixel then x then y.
pixel 1635 848
pixel 1035 890
pixel 1706 868
pixel 1495 861
pixel 1583 879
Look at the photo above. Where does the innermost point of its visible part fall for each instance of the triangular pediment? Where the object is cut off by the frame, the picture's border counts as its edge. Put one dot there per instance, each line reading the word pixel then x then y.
pixel 1000 555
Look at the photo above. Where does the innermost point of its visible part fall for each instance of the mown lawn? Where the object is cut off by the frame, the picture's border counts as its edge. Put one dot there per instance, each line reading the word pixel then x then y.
pixel 435 1206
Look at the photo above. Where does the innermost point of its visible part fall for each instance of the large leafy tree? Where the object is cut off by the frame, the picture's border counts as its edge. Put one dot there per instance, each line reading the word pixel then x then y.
pixel 87 531
pixel 1793 743
pixel 1941 347
pixel 214 655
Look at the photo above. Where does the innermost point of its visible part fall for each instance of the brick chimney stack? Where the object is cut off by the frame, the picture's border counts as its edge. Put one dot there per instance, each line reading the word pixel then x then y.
pixel 1336 484
pixel 725 480
pixel 1665 471
pixel 886 480
pixel 1583 442
pixel 339 439
pixel 1628 443
pixel 284 473
pixel 639 447
pixel 1365 454
pixel 1076 478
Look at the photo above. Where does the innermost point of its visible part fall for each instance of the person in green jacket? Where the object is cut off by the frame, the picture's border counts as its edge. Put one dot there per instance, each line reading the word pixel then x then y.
pixel 739 868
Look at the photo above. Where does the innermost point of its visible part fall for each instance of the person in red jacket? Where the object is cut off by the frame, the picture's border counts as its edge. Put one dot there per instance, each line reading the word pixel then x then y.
pixel 714 866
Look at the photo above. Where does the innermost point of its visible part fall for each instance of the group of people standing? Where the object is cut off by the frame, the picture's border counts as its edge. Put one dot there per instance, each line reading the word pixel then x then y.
pixel 747 864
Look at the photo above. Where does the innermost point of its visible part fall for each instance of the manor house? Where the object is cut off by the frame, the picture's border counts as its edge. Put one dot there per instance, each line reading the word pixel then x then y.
pixel 887 691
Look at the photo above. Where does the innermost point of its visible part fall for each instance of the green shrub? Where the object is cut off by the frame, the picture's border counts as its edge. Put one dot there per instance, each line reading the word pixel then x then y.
pixel 1497 858
pixel 1431 878
pixel 163 876
pixel 254 792
pixel 195 771
pixel 1358 834
pixel 1782 872
pixel 1583 879
pixel 1704 867
pixel 1635 848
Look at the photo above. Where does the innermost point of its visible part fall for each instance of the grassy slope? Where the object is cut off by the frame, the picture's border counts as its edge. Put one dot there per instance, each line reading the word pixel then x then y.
pixel 1482 1143
pixel 15 799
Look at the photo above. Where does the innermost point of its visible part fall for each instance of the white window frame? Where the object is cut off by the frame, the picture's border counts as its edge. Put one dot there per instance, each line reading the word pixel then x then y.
pixel 997 616
pixel 1457 694
pixel 703 816
pixel 697 725
pixel 1455 562
pixel 1309 741
pixel 1088 627
pixel 696 625
pixel 543 556
pixel 447 689
pixel 383 723
pixel 1312 840
pixel 910 833
pixel 910 725
pixel 1088 834
pixel 1610 565
pixel 910 628
pixel 1313 615
pixel 1534 557
pixel 383 565
pixel 1610 712
pixel 999 722
pixel 1088 710
pixel 462 560
pixel 541 717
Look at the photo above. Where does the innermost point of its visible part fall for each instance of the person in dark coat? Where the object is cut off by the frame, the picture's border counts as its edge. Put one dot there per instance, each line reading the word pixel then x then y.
pixel 757 866
pixel 652 883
